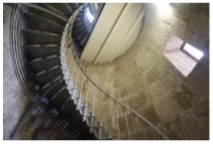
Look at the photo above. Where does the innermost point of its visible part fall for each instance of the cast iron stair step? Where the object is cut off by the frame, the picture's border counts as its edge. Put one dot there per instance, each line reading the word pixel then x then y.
pixel 45 77
pixel 47 71
pixel 50 7
pixel 39 50
pixel 34 31
pixel 47 15
pixel 38 66
pixel 63 8
pixel 42 18
pixel 42 37
pixel 38 23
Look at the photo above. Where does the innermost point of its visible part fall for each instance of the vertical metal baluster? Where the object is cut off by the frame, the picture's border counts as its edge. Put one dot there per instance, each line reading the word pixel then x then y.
pixel 68 63
pixel 108 117
pixel 127 125
pixel 148 134
pixel 87 91
pixel 71 75
pixel 81 89
pixel 108 114
pixel 75 86
pixel 160 137
pixel 93 105
pixel 136 125
pixel 119 135
pixel 85 103
pixel 100 107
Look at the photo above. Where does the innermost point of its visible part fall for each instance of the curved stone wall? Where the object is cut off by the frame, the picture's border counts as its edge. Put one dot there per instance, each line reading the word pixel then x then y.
pixel 147 82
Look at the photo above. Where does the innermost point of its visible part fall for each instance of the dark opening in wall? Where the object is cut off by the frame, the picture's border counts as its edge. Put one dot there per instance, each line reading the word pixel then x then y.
pixel 182 55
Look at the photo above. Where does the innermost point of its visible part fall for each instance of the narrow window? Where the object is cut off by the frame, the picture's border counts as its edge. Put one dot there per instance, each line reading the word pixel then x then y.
pixel 192 51
pixel 182 55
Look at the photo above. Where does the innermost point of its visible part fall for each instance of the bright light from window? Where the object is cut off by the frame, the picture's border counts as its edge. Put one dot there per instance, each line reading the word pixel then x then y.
pixel 90 17
pixel 163 8
pixel 193 51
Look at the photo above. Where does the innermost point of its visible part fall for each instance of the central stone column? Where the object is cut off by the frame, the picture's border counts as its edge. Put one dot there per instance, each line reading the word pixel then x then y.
pixel 116 30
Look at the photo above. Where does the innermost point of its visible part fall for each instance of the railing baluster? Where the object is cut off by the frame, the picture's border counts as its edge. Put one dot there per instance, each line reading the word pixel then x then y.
pixel 93 105
pixel 119 135
pixel 160 137
pixel 81 88
pixel 72 76
pixel 68 63
pixel 114 112
pixel 100 107
pixel 127 125
pixel 136 125
pixel 108 123
pixel 87 91
pixel 75 87
pixel 148 134
pixel 108 128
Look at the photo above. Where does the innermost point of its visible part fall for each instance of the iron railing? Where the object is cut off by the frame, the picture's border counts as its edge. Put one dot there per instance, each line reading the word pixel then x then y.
pixel 107 117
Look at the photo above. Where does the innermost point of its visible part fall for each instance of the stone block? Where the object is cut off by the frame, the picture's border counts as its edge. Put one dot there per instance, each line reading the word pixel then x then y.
pixel 197 32
pixel 142 56
pixel 150 76
pixel 166 108
pixel 158 38
pixel 138 73
pixel 91 69
pixel 174 129
pixel 124 93
pixel 170 82
pixel 197 128
pixel 117 72
pixel 199 7
pixel 104 70
pixel 178 27
pixel 137 101
pixel 184 99
pixel 157 90
pixel 181 10
pixel 134 87
pixel 118 83
pixel 150 114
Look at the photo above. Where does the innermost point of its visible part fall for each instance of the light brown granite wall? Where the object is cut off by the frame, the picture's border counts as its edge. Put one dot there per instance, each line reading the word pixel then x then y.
pixel 147 82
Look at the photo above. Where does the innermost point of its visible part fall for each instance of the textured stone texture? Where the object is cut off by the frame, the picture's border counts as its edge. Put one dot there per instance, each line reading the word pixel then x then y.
pixel 148 82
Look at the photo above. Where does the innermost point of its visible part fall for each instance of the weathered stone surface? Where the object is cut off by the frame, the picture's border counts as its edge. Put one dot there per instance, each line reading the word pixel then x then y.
pixel 197 127
pixel 174 129
pixel 150 76
pixel 178 27
pixel 199 7
pixel 181 10
pixel 183 98
pixel 150 114
pixel 137 101
pixel 117 83
pixel 157 40
pixel 166 97
pixel 197 32
pixel 157 90
pixel 138 73
pixel 166 108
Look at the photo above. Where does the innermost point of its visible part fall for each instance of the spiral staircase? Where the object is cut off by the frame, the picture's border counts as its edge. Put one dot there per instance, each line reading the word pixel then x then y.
pixel 46 42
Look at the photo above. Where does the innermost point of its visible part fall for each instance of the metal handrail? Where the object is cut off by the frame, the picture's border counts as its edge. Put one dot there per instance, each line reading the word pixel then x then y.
pixel 75 57
pixel 89 116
